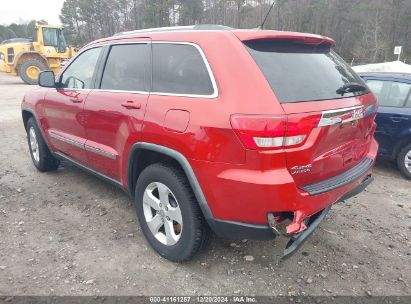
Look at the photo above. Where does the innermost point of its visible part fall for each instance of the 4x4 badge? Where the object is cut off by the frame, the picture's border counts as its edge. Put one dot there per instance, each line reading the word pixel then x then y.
pixel 301 169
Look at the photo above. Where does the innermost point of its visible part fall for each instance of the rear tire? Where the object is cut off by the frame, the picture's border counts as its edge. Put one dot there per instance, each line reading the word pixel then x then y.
pixel 188 237
pixel 39 152
pixel 404 161
pixel 30 69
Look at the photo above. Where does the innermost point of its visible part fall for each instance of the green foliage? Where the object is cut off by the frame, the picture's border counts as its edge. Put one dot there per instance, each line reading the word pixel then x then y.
pixel 156 12
pixel 190 11
pixel 19 30
pixel 365 30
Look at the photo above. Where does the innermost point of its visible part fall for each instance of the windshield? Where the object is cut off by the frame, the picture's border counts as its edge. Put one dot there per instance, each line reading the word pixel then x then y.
pixel 300 72
pixel 54 37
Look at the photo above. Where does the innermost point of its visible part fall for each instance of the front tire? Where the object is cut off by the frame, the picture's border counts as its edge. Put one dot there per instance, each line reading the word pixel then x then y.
pixel 39 152
pixel 169 214
pixel 404 161
pixel 30 70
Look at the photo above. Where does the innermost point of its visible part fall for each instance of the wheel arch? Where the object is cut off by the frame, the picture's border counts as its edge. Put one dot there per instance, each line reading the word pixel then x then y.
pixel 401 144
pixel 143 154
pixel 26 114
pixel 23 56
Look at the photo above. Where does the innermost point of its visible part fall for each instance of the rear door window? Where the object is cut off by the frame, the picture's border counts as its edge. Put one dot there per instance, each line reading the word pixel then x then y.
pixel 180 69
pixel 376 86
pixel 397 94
pixel 390 93
pixel 299 72
pixel 127 68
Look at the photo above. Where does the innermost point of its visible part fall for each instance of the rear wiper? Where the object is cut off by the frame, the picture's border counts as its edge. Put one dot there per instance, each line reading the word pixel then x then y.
pixel 351 87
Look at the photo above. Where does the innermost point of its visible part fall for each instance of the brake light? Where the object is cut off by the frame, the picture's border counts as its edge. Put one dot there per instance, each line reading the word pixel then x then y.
pixel 262 132
pixel 259 131
pixel 315 41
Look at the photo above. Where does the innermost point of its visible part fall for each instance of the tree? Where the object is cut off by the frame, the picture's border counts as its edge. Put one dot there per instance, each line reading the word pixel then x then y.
pixel 190 11
pixel 157 12
pixel 364 30
pixel 69 17
pixel 14 30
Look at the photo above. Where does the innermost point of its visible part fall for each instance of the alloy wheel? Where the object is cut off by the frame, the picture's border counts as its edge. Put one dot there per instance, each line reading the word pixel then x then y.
pixel 162 213
pixel 34 145
pixel 407 161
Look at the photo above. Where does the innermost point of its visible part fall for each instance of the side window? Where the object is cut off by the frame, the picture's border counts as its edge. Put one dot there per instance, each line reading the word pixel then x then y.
pixel 126 68
pixel 50 36
pixel 180 69
pixel 80 73
pixel 408 103
pixel 390 93
pixel 398 93
pixel 376 87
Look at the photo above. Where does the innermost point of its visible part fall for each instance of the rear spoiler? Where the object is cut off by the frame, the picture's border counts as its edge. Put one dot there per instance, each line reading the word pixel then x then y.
pixel 293 36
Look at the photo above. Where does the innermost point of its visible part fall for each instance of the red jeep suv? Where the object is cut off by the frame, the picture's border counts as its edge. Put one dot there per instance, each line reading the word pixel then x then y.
pixel 247 133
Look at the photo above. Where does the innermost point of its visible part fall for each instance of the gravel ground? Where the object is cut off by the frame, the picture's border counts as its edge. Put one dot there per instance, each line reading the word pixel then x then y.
pixel 68 233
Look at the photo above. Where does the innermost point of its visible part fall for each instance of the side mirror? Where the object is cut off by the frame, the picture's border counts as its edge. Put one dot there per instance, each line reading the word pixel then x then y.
pixel 47 79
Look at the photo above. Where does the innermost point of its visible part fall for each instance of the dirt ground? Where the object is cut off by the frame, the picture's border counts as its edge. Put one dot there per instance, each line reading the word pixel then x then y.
pixel 69 233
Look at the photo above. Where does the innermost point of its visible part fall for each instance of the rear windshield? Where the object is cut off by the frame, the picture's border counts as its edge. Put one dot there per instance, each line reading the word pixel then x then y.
pixel 299 72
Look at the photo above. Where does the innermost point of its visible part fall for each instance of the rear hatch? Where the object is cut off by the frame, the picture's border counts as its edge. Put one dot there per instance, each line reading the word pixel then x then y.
pixel 329 112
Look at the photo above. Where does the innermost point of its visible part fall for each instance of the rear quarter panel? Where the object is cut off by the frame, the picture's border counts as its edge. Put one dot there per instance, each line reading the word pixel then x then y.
pixel 241 89
pixel 209 138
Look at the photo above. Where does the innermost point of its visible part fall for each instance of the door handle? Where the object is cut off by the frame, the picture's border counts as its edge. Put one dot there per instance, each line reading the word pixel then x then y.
pixel 131 105
pixel 398 118
pixel 76 100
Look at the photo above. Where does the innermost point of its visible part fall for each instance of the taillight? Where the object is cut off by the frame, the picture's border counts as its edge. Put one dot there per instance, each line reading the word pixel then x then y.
pixel 262 132
pixel 259 131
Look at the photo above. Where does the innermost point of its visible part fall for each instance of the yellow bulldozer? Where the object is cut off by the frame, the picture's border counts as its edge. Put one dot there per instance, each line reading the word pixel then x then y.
pixel 47 50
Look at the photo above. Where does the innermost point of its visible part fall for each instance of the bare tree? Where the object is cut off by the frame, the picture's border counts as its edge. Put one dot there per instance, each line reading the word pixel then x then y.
pixel 366 30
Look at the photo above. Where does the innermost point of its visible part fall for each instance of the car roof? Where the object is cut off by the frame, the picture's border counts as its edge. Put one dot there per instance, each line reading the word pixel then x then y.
pixel 404 76
pixel 199 29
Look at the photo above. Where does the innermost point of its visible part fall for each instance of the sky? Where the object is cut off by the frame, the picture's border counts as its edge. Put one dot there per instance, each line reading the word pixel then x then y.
pixel 20 11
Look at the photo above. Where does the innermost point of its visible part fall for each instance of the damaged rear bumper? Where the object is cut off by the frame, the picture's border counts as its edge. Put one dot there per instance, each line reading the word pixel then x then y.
pixel 237 230
pixel 311 223
pixel 298 239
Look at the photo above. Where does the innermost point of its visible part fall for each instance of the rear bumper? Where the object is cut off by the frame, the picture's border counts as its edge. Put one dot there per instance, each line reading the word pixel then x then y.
pixel 361 187
pixel 296 241
pixel 238 194
pixel 341 179
pixel 238 230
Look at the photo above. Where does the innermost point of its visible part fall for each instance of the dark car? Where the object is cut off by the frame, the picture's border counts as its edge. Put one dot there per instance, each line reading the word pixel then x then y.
pixel 394 116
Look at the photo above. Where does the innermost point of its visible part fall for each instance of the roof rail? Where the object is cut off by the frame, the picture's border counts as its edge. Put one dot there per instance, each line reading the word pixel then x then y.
pixel 199 27
pixel 212 27
pixel 385 73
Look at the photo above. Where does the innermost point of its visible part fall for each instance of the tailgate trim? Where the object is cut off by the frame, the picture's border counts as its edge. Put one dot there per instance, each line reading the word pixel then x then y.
pixel 339 180
pixel 341 116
